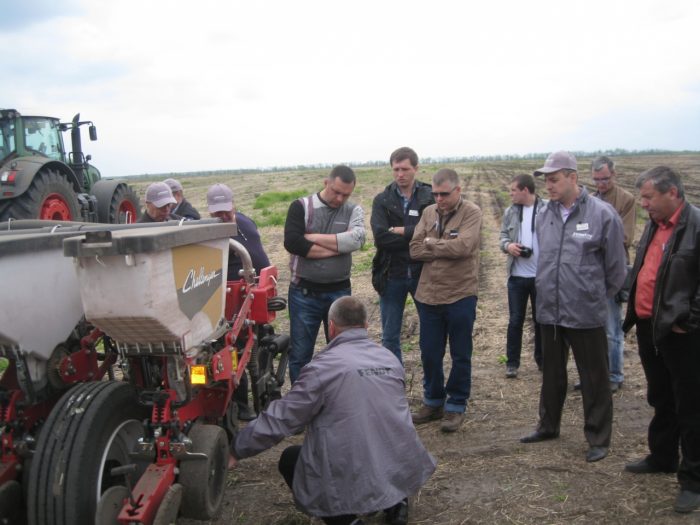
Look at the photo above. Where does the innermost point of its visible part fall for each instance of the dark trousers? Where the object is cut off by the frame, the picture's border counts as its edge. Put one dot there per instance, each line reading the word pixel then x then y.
pixel 287 462
pixel 672 369
pixel 520 289
pixel 590 348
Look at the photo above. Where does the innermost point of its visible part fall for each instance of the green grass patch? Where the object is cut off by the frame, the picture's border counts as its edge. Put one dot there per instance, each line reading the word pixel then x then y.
pixel 273 197
pixel 271 219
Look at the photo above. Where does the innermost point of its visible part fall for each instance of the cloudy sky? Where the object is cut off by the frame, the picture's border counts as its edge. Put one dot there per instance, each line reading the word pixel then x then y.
pixel 185 86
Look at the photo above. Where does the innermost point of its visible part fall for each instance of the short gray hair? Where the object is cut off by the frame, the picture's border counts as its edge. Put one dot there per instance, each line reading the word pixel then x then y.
pixel 663 179
pixel 348 312
pixel 446 175
pixel 601 161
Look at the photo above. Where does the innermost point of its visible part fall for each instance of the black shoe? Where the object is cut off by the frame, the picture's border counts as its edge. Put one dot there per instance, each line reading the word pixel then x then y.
pixel 511 372
pixel 246 414
pixel 538 436
pixel 398 514
pixel 577 386
pixel 644 466
pixel 687 501
pixel 615 386
pixel 596 454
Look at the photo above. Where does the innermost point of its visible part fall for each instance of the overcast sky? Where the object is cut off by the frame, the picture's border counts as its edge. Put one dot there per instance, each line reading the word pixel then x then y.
pixel 185 86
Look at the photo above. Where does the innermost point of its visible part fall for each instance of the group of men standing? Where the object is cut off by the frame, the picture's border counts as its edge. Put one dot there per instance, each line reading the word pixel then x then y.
pixel 568 256
pixel 581 278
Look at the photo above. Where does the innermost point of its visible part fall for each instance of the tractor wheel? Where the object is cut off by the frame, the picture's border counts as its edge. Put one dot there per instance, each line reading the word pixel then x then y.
pixel 91 430
pixel 204 480
pixel 11 499
pixel 50 196
pixel 124 208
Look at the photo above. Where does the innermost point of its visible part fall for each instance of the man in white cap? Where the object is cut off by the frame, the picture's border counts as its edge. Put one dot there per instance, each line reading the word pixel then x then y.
pixel 581 264
pixel 159 203
pixel 183 208
pixel 220 205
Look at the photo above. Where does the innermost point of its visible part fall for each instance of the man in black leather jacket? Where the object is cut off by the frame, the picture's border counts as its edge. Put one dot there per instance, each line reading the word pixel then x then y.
pixel 664 304
pixel 395 213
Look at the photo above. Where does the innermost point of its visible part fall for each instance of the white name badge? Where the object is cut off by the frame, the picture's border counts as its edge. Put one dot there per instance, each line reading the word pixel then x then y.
pixel 413 213
pixel 582 227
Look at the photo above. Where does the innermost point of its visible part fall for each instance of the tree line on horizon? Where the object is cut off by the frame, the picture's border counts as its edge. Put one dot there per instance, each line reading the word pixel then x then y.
pixel 617 152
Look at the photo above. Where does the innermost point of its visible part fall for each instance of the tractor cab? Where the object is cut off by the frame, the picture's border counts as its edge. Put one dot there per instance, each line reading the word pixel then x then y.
pixel 29 136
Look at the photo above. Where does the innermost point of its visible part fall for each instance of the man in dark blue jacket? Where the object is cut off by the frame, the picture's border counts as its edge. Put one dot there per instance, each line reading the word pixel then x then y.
pixel 664 304
pixel 395 213
pixel 220 205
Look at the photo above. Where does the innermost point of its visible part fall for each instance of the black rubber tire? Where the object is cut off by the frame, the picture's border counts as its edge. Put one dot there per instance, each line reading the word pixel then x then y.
pixel 122 195
pixel 67 469
pixel 29 204
pixel 11 499
pixel 204 480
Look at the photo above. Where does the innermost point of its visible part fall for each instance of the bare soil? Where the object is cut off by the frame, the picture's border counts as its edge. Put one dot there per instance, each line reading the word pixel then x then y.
pixel 484 474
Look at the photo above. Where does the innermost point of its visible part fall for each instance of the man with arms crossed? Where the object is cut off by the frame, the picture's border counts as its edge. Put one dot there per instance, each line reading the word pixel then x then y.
pixel 447 241
pixel 320 234
pixel 664 304
pixel 581 263
pixel 395 213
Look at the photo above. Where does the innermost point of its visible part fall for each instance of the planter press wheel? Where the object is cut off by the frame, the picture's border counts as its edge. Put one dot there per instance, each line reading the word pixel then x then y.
pixel 204 480
pixel 11 499
pixel 92 430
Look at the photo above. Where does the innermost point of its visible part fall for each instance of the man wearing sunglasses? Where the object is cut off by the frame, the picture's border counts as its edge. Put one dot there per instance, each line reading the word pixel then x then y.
pixel 446 239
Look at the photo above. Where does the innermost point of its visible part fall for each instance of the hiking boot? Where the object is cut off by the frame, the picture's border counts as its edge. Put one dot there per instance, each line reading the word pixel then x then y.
pixel 426 414
pixel 451 421
pixel 511 372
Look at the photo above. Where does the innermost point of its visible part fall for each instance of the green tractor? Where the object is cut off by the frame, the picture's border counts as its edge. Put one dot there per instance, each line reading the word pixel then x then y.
pixel 39 180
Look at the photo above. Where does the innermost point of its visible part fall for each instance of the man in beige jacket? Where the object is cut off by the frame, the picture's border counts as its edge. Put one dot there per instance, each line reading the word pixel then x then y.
pixel 447 241
pixel 604 177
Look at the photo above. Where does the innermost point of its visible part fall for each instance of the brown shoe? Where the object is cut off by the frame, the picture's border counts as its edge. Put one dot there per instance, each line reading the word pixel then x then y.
pixel 451 421
pixel 426 414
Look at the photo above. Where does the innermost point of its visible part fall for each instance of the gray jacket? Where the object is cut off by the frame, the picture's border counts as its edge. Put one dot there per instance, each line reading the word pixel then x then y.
pixel 361 452
pixel 581 263
pixel 510 227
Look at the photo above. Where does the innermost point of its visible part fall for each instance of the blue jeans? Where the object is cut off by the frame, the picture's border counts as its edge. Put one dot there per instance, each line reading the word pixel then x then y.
pixel 520 289
pixel 616 341
pixel 438 325
pixel 391 304
pixel 307 310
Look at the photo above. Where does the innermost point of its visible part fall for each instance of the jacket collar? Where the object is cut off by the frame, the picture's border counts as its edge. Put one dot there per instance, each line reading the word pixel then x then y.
pixel 351 334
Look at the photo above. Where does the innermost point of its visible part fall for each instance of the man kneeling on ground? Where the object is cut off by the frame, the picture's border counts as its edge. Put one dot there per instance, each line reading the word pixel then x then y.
pixel 361 452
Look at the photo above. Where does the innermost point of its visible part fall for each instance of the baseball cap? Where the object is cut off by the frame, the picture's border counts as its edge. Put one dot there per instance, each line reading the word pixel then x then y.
pixel 561 160
pixel 159 194
pixel 219 198
pixel 173 184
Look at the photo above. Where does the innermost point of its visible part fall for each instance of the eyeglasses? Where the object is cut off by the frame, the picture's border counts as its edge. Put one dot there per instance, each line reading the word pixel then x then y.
pixel 442 194
pixel 603 180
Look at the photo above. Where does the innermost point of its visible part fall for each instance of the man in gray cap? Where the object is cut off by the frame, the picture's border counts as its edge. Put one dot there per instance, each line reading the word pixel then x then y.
pixel 159 203
pixel 183 208
pixel 581 263
pixel 220 205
